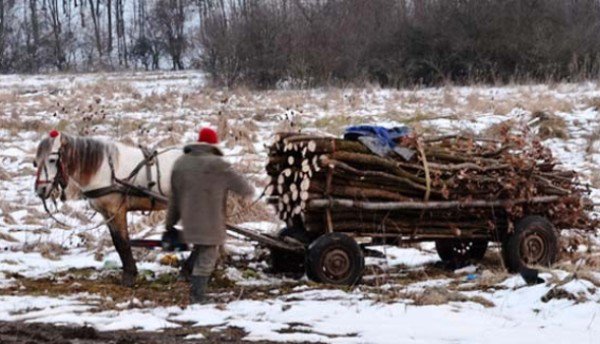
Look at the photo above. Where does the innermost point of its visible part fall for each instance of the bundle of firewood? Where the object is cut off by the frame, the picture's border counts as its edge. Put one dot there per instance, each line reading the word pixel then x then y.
pixel 449 183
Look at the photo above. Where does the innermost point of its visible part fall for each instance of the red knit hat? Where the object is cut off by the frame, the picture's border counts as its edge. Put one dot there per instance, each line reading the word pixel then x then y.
pixel 207 135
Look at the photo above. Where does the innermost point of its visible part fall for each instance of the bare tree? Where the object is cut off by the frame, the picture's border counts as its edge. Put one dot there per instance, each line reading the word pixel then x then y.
pixel 170 18
pixel 121 39
pixel 109 45
pixel 35 30
pixel 55 22
pixel 94 13
pixel 2 26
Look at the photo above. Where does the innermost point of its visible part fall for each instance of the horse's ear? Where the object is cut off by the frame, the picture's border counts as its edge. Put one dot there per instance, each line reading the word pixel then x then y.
pixel 64 141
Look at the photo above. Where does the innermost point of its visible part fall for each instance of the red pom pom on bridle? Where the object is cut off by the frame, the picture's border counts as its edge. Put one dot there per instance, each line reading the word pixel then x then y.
pixel 54 133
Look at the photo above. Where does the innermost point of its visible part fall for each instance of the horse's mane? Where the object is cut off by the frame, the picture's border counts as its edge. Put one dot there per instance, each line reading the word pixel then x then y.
pixel 81 155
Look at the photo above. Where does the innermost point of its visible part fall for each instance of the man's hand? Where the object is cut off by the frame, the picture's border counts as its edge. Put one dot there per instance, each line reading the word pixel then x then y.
pixel 169 239
pixel 172 240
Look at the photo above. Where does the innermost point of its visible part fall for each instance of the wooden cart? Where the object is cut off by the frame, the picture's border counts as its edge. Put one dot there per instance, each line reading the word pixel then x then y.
pixel 333 254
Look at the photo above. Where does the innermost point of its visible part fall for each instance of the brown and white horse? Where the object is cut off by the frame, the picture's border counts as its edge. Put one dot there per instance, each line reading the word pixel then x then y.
pixel 94 165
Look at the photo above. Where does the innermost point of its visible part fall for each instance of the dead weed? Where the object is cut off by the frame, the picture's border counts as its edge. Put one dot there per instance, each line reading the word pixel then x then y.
pixel 433 296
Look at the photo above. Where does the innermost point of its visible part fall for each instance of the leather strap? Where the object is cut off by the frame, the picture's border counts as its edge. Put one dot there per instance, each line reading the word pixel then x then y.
pixel 125 187
pixel 97 193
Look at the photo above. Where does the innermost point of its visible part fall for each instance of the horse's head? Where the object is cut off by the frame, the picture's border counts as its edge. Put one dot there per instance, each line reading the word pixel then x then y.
pixel 51 173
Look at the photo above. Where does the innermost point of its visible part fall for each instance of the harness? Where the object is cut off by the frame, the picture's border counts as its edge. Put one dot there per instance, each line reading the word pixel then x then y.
pixel 126 187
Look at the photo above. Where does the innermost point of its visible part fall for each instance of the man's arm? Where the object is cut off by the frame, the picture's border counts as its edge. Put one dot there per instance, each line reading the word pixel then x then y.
pixel 238 184
pixel 173 214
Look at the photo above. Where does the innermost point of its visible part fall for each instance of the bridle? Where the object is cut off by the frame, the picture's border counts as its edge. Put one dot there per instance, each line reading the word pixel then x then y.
pixel 61 178
pixel 59 182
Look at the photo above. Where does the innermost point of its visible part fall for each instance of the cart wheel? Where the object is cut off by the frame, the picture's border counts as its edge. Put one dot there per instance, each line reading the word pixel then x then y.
pixel 534 242
pixel 459 253
pixel 335 258
pixel 283 261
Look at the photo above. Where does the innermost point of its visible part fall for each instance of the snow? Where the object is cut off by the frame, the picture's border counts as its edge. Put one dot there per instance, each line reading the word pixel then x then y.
pixel 409 257
pixel 194 336
pixel 339 317
pixel 303 311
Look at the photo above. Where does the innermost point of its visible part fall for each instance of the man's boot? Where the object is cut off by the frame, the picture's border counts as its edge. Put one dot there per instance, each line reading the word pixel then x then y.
pixel 185 273
pixel 198 288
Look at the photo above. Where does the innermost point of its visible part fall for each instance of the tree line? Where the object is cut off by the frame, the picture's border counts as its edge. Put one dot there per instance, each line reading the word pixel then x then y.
pixel 305 43
pixel 88 35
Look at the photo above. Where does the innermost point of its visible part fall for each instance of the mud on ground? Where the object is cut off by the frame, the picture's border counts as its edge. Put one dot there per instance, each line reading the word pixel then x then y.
pixel 28 333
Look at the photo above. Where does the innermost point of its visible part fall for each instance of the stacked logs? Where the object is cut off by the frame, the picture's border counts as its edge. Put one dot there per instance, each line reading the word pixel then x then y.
pixel 451 183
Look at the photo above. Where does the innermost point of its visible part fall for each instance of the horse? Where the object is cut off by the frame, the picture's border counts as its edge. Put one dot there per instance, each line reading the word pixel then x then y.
pixel 115 178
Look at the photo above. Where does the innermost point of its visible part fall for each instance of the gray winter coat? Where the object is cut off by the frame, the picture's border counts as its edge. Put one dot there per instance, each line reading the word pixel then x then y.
pixel 200 182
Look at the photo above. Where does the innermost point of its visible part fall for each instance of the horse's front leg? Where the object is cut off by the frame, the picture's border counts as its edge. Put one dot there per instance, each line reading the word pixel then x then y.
pixel 120 238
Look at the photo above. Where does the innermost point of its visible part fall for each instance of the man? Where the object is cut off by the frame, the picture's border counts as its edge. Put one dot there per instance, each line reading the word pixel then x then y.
pixel 200 182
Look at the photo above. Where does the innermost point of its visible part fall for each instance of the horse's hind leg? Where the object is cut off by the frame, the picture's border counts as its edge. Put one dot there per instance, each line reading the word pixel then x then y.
pixel 120 237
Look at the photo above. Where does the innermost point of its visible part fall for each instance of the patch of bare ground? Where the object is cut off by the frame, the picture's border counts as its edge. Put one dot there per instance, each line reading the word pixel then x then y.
pixel 296 327
pixel 167 290
pixel 32 333
pixel 451 291
pixel 163 290
pixel 401 276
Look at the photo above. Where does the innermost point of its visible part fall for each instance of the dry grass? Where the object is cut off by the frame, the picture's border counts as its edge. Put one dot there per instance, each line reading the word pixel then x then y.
pixel 240 211
pixel 153 219
pixel 578 272
pixel 592 102
pixel 238 133
pixel 591 142
pixel 4 174
pixel 497 130
pixel 7 237
pixel 332 124
pixel 550 125
pixel 477 103
pixel 433 296
pixel 48 250
pixel 16 126
pixel 6 209
pixel 449 98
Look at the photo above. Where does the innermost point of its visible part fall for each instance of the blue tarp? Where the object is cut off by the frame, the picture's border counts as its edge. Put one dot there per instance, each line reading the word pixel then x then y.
pixel 380 140
pixel 385 136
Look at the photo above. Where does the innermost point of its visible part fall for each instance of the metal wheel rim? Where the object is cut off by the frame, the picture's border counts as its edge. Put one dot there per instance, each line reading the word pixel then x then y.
pixel 462 248
pixel 336 264
pixel 534 248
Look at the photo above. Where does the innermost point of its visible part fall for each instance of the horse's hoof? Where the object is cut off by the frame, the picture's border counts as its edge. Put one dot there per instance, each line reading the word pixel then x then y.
pixel 128 280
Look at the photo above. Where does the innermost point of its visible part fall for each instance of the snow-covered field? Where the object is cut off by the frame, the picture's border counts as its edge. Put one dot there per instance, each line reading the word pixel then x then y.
pixel 68 275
